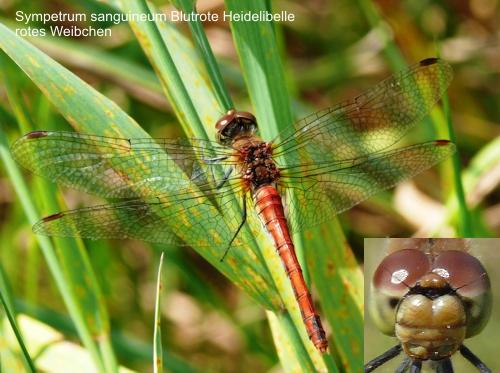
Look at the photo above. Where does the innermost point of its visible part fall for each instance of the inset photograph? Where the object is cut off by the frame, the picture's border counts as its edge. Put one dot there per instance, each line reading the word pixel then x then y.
pixel 431 304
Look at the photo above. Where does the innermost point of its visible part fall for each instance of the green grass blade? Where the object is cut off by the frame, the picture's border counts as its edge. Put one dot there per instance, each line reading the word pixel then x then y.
pixel 157 348
pixel 10 312
pixel 465 228
pixel 140 81
pixel 18 108
pixel 26 356
pixel 84 108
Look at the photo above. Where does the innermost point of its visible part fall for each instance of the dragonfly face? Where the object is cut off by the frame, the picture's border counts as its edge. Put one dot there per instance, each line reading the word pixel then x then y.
pixel 235 124
pixel 431 298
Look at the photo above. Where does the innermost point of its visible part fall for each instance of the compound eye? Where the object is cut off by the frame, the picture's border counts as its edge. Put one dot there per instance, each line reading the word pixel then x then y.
pixel 400 270
pixel 224 121
pixel 466 274
pixel 462 271
pixel 391 281
pixel 246 116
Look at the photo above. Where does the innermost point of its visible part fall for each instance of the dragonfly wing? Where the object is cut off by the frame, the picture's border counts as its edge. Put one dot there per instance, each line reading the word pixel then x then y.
pixel 316 192
pixel 197 221
pixel 120 168
pixel 369 123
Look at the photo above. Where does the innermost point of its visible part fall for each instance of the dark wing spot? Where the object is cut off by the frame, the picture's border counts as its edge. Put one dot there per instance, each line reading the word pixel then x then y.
pixel 53 217
pixel 429 61
pixel 37 134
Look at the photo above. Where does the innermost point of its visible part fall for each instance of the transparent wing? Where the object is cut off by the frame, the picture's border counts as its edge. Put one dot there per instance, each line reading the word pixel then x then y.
pixel 199 220
pixel 315 192
pixel 369 123
pixel 122 168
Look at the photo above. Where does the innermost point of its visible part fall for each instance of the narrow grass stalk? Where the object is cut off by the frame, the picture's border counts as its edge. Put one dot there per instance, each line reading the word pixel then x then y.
pixel 465 222
pixel 157 348
pixel 10 311
pixel 207 55
pixel 30 366
pixel 5 289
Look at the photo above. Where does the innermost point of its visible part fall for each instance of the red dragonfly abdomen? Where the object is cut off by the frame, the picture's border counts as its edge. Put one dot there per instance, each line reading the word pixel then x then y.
pixel 270 210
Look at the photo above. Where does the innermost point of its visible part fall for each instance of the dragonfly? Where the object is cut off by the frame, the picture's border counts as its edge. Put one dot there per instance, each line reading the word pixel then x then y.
pixel 320 166
pixel 430 294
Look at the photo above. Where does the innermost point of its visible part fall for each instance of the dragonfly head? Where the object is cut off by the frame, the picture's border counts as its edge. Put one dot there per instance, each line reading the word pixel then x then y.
pixel 430 300
pixel 235 124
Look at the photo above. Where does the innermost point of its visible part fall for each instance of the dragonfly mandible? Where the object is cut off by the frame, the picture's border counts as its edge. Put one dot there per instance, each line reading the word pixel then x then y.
pixel 430 294
pixel 323 165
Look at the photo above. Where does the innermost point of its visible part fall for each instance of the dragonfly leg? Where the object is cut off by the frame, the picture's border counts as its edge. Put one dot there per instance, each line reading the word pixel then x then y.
pixel 243 220
pixel 403 366
pixel 215 160
pixel 469 355
pixel 444 366
pixel 416 366
pixel 224 179
pixel 385 357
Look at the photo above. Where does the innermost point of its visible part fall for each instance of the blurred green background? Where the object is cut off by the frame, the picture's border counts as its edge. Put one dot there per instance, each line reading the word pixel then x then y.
pixel 332 51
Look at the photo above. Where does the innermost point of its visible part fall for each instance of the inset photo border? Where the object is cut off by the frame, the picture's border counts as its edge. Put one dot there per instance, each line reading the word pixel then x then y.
pixel 483 345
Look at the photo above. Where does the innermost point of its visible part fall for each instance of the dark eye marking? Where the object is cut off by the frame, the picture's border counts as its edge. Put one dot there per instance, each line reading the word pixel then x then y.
pixel 468 304
pixel 393 302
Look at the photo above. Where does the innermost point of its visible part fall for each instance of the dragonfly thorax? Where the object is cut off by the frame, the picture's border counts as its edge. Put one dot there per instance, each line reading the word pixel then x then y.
pixel 431 319
pixel 259 166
